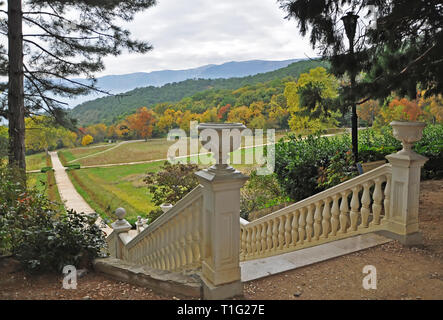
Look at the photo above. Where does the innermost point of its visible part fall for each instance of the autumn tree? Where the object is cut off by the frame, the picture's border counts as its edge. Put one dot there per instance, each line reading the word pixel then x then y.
pixel 142 122
pixel 368 110
pixel 87 140
pixel 62 40
pixel 97 131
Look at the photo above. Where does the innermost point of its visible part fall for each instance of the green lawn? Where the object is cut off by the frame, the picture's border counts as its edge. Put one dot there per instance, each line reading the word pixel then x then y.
pixel 76 153
pixel 106 189
pixel 36 161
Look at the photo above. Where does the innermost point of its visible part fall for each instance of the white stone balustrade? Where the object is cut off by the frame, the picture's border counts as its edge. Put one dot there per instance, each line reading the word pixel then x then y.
pixel 204 230
pixel 339 212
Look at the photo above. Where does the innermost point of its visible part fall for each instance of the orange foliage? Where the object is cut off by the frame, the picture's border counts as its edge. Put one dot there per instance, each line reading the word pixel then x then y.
pixel 142 122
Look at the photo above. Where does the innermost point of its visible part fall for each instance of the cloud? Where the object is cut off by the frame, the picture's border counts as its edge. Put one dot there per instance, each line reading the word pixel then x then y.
pixel 191 33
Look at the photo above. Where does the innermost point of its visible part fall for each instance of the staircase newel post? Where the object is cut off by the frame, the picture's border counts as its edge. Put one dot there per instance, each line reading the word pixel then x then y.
pixel 119 226
pixel 403 223
pixel 221 216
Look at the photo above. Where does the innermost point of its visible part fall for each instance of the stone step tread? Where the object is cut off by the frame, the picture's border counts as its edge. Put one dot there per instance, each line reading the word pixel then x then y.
pixel 260 268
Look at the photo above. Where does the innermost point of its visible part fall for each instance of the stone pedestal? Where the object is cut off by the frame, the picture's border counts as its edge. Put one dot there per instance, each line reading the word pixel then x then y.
pixel 405 192
pixel 221 233
pixel 405 184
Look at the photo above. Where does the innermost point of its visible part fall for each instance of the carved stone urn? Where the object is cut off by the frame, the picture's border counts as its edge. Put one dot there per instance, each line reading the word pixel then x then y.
pixel 221 139
pixel 408 133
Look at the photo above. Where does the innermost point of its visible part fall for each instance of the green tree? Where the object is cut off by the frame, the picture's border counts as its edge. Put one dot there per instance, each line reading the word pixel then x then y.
pixel 311 100
pixel 399 51
pixel 66 39
pixel 42 134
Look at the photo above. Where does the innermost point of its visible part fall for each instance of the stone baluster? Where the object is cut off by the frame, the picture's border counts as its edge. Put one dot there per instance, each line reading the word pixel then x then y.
pixel 263 237
pixel 269 236
pixel 386 201
pixel 258 239
pixel 294 228
pixel 355 208
pixel 326 223
pixel 196 217
pixel 377 197
pixel 288 230
pixel 281 232
pixel 253 239
pixel 344 212
pixel 243 243
pixel 189 253
pixel 302 225
pixel 274 234
pixel 309 223
pixel 365 202
pixel 317 220
pixel 335 211
pixel 248 242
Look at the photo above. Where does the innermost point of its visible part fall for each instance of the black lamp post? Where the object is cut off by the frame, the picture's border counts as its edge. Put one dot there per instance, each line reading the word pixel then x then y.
pixel 350 22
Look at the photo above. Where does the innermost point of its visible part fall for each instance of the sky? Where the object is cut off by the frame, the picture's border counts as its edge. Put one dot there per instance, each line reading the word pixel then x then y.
pixel 191 33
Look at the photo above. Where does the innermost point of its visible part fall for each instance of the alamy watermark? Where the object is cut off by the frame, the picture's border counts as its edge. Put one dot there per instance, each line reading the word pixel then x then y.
pixel 216 146
pixel 70 278
pixel 370 281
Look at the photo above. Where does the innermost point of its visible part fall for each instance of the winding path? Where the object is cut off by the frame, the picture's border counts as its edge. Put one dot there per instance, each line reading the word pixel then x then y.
pixel 70 197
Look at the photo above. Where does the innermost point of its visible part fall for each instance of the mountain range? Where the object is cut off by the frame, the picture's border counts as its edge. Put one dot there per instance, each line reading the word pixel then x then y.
pixel 110 109
pixel 121 83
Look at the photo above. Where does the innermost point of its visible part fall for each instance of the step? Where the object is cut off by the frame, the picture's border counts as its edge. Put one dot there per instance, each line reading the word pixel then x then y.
pixel 260 268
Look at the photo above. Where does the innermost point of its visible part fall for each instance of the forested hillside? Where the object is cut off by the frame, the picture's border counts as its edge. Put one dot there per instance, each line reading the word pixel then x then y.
pixel 110 109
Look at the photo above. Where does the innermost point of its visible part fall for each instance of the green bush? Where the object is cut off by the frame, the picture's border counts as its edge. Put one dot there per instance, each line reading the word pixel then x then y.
pixel 45 169
pixel 431 146
pixel 170 184
pixel 72 167
pixel 259 192
pixel 305 167
pixel 298 160
pixel 40 235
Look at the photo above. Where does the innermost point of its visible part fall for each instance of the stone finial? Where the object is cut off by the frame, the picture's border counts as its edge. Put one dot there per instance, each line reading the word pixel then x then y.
pixel 121 225
pixel 166 207
pixel 120 213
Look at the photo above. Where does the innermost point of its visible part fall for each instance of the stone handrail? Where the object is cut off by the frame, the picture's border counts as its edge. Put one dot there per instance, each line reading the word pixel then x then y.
pixel 326 216
pixel 173 241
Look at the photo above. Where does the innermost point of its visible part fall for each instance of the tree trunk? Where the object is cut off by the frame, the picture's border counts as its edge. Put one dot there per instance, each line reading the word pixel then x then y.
pixel 16 108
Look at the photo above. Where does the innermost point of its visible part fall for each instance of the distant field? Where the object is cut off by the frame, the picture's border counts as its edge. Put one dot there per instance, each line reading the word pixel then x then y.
pixel 154 149
pixel 76 153
pixel 36 161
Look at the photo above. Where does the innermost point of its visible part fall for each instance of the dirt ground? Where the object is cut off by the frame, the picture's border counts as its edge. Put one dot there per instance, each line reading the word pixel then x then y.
pixel 402 273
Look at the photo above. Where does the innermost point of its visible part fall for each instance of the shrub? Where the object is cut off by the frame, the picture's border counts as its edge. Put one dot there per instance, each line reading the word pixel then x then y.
pixel 259 192
pixel 45 169
pixel 171 183
pixel 305 167
pixel 298 160
pixel 340 169
pixel 40 235
pixel 72 167
pixel 431 146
